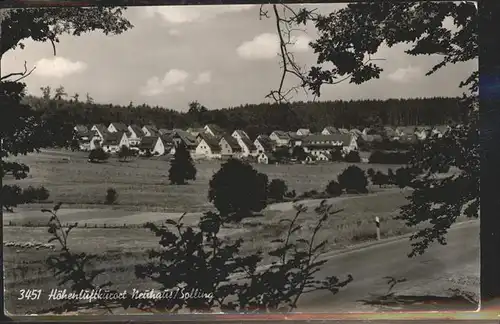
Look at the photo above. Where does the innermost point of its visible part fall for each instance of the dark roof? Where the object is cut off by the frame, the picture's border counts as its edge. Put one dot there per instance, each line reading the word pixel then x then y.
pixel 167 139
pixel 112 138
pixel 164 131
pixel 282 134
pixel 81 129
pixel 233 143
pixel 241 133
pixel 148 142
pixel 211 141
pixel 120 127
pixel 187 138
pixel 295 136
pixel 248 143
pixel 270 156
pixel 137 130
pixel 302 130
pixel 266 142
pixel 216 129
pixel 102 129
pixel 152 129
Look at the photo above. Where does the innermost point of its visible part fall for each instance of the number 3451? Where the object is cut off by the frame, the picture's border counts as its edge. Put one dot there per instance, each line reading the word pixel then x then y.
pixel 30 294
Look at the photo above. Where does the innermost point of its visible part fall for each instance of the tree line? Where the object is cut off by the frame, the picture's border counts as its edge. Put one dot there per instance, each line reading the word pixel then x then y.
pixel 254 118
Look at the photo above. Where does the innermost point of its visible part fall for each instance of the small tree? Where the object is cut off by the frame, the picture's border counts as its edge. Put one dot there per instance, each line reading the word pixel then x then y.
pixel 299 153
pixel 98 155
pixel 380 179
pixel 124 153
pixel 237 190
pixel 404 177
pixel 352 157
pixel 181 166
pixel 277 190
pixel 353 179
pixel 336 155
pixel 111 196
pixel 334 188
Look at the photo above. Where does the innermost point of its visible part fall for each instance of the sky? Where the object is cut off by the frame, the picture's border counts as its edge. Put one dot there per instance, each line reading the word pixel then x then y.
pixel 221 56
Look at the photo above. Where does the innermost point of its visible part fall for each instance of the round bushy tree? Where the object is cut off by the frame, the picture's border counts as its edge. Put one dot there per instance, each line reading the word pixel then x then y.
pixel 237 190
pixel 181 167
pixel 97 155
pixel 352 157
pixel 334 188
pixel 277 190
pixel 353 179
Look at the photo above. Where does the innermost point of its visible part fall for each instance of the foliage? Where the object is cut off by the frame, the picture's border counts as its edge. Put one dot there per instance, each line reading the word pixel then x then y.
pixel 97 155
pixel 380 179
pixel 124 153
pixel 282 153
pixel 404 176
pixel 352 157
pixel 72 268
pixel 181 166
pixel 277 190
pixel 111 196
pixel 353 180
pixel 336 155
pixel 381 157
pixel 299 153
pixel 199 258
pixel 334 188
pixel 237 190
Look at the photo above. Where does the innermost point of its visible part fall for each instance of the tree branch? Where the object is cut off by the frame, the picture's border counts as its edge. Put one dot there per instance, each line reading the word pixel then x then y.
pixel 22 75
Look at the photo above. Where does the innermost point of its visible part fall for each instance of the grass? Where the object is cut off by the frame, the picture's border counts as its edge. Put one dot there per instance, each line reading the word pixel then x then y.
pixel 142 184
pixel 144 195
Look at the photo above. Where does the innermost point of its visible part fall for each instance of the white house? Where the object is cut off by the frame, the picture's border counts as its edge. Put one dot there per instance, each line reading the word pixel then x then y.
pixel 318 144
pixel 266 158
pixel 208 147
pixel 239 134
pixel 100 129
pixel 152 145
pixel 99 133
pixel 263 144
pixel 213 130
pixel 281 138
pixel 329 130
pixel 113 141
pixel 303 132
pixel 135 135
pixel 229 146
pixel 247 147
pixel 324 156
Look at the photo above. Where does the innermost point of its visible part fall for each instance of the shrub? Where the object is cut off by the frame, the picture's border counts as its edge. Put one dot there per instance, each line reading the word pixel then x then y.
pixel 405 176
pixel 277 189
pixel 352 157
pixel 336 155
pixel 333 188
pixel 111 196
pixel 380 179
pixel 98 155
pixel 353 180
pixel 299 153
pixel 124 153
pixel 237 190
pixel 181 166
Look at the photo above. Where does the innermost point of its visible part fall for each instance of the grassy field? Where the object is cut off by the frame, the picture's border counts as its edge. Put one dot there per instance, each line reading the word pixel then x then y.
pixel 142 186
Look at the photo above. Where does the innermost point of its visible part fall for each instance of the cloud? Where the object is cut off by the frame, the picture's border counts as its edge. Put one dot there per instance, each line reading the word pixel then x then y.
pixel 58 67
pixel 187 14
pixel 203 78
pixel 266 46
pixel 174 32
pixel 173 80
pixel 404 75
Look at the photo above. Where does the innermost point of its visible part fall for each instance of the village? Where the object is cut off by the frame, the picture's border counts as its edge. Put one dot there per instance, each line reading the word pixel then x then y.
pixel 212 142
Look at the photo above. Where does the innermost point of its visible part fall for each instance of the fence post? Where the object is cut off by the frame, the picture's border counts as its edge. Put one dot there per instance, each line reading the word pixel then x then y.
pixel 377 222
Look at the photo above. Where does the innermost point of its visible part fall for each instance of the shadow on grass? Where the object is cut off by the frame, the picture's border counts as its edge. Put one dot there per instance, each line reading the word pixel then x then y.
pixel 422 303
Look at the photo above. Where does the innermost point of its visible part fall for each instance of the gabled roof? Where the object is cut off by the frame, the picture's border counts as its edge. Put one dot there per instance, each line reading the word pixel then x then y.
pixel 304 131
pixel 102 129
pixel 81 129
pixel 148 142
pixel 164 131
pixel 266 142
pixel 331 129
pixel 295 136
pixel 327 155
pixel 241 133
pixel 120 127
pixel 343 130
pixel 270 156
pixel 137 130
pixel 187 138
pixel 281 134
pixel 211 141
pixel 112 138
pixel 218 131
pixel 233 143
pixel 168 139
pixel 152 129
pixel 248 143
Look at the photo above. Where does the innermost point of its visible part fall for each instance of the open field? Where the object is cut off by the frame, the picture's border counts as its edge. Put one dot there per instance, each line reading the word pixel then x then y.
pixel 142 184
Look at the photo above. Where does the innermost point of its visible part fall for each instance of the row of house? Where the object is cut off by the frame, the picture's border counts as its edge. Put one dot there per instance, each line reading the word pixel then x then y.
pixel 212 142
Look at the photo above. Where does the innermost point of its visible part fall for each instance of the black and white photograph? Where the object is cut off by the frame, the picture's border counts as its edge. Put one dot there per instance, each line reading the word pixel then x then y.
pixel 240 159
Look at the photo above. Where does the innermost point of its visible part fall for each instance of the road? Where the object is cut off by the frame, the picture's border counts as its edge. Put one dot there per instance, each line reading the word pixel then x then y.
pixel 428 274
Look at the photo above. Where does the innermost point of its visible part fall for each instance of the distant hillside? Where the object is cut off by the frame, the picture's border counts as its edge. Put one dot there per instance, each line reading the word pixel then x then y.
pixel 264 117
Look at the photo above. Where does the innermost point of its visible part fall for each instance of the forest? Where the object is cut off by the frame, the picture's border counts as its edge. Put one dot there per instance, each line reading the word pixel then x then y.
pixel 254 118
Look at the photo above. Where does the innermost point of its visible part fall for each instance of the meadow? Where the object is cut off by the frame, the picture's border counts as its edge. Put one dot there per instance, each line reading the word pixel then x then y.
pixel 146 196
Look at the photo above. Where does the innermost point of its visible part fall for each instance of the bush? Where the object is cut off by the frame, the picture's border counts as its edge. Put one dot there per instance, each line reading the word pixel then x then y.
pixel 13 195
pixel 32 194
pixel 334 189
pixel 381 157
pixel 353 180
pixel 380 179
pixel 336 155
pixel 111 196
pixel 124 153
pixel 291 194
pixel 299 153
pixel 352 157
pixel 277 190
pixel 237 190
pixel 405 176
pixel 98 155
